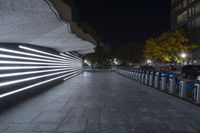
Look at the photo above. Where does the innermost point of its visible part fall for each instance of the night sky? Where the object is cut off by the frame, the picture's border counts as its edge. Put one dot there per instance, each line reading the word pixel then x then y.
pixel 122 21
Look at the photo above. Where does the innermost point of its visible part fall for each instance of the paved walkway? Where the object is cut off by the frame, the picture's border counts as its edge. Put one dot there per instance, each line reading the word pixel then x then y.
pixel 101 103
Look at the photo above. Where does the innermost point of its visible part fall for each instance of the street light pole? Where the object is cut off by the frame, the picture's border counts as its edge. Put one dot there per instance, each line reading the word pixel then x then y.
pixel 183 56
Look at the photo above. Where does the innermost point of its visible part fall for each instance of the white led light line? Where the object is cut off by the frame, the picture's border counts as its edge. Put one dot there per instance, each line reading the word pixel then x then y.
pixel 31 67
pixel 32 78
pixel 28 58
pixel 29 54
pixel 33 85
pixel 42 52
pixel 31 72
pixel 70 57
pixel 31 63
pixel 73 55
pixel 73 75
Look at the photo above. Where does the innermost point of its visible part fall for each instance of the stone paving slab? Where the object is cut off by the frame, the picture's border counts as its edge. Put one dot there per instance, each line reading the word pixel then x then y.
pixel 101 102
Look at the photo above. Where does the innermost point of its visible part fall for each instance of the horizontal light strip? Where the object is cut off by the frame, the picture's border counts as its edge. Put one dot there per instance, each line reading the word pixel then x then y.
pixel 70 57
pixel 42 52
pixel 29 54
pixel 72 75
pixel 33 85
pixel 32 78
pixel 31 72
pixel 28 58
pixel 31 67
pixel 31 63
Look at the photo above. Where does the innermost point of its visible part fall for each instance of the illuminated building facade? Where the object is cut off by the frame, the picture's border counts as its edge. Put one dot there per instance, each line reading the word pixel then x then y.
pixel 185 14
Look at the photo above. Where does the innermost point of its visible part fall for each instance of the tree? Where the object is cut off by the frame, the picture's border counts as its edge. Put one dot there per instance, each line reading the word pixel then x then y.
pixel 168 46
pixel 130 53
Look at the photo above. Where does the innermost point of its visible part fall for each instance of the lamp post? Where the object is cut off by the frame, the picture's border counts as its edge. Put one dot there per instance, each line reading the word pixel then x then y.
pixel 148 62
pixel 183 56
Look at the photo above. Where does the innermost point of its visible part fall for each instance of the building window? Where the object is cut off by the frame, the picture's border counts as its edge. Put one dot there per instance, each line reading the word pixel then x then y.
pixel 191 11
pixel 183 17
pixel 179 7
pixel 184 3
pixel 190 1
pixel 197 7
pixel 197 21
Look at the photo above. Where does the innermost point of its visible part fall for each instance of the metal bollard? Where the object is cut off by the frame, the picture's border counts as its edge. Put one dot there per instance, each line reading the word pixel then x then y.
pixel 172 85
pixel 139 76
pixel 151 79
pixel 156 81
pixel 143 75
pixel 163 82
pixel 182 89
pixel 197 93
pixel 146 78
pixel 132 74
pixel 135 75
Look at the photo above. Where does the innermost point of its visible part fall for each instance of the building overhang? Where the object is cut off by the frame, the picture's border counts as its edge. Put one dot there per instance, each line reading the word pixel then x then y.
pixel 42 23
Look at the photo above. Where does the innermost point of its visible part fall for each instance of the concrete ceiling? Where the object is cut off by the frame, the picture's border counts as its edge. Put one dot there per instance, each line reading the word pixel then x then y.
pixel 39 23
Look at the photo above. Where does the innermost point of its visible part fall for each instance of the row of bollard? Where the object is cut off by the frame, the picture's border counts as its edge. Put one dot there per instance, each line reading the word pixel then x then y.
pixel 166 82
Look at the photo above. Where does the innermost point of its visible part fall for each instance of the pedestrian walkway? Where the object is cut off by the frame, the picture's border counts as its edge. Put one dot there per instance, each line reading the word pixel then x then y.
pixel 101 102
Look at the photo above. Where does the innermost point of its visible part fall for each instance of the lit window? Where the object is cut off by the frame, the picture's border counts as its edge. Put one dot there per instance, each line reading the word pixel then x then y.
pixel 183 17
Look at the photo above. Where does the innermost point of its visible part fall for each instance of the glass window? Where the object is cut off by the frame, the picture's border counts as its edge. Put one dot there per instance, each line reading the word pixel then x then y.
pixel 183 17
pixel 197 21
pixel 184 3
pixel 197 7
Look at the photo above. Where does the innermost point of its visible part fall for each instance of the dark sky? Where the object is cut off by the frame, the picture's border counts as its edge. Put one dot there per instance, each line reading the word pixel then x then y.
pixel 122 21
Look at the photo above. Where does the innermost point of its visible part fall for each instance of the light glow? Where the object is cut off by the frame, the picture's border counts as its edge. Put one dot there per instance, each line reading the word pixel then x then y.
pixel 73 55
pixel 30 63
pixel 79 72
pixel 70 57
pixel 29 54
pixel 32 78
pixel 183 55
pixel 31 72
pixel 149 61
pixel 33 85
pixel 42 52
pixel 31 67
pixel 28 58
pixel 47 66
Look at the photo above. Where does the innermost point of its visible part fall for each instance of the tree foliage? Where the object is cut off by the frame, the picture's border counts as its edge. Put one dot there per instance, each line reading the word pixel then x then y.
pixel 168 46
pixel 130 53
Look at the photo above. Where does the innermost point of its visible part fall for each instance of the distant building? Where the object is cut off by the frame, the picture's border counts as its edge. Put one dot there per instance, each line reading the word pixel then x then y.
pixel 185 14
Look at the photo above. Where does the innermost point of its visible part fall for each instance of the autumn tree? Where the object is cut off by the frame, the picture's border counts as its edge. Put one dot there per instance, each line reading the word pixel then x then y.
pixel 168 46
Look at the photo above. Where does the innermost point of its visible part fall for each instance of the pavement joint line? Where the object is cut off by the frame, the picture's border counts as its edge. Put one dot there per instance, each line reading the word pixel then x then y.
pixel 167 94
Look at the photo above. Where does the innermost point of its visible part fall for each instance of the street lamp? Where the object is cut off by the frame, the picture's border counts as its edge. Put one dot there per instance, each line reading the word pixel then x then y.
pixel 148 62
pixel 115 61
pixel 183 56
pixel 85 61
